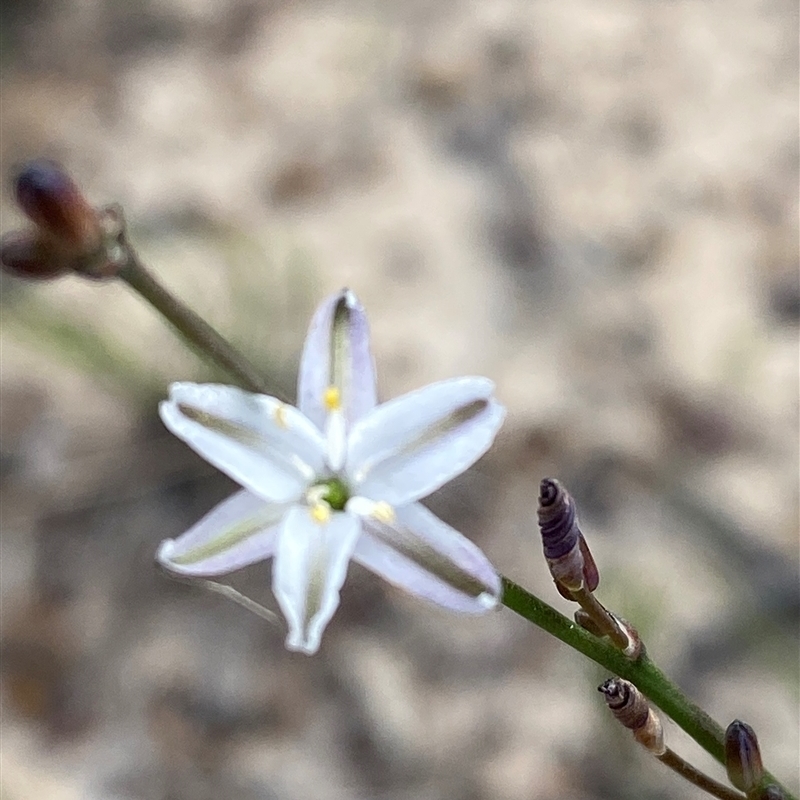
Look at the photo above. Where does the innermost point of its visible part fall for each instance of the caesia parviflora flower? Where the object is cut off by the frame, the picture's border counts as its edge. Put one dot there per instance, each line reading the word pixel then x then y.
pixel 336 479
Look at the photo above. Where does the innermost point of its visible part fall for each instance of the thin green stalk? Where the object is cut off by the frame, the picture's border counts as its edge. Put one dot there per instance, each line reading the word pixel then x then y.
pixel 193 327
pixel 642 673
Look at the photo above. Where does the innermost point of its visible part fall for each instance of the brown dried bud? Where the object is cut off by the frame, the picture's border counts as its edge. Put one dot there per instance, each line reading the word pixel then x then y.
pixel 568 556
pixel 588 622
pixel 27 255
pixel 52 200
pixel 631 708
pixel 742 756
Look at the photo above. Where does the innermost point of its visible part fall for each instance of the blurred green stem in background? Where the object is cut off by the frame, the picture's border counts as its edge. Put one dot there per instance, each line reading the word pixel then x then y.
pixel 193 327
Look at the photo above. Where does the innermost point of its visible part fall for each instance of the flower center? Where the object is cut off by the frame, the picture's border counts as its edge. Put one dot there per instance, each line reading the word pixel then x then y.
pixel 333 492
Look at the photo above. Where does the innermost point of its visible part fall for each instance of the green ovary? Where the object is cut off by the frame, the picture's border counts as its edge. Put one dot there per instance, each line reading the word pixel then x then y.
pixel 336 494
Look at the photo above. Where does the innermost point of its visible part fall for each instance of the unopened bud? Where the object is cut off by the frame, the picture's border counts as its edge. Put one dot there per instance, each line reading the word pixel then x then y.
pixel 631 708
pixel 742 756
pixel 568 556
pixel 52 200
pixel 772 792
pixel 27 255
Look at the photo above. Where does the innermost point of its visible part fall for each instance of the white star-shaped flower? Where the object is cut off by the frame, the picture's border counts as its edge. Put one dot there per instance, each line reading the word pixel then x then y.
pixel 336 479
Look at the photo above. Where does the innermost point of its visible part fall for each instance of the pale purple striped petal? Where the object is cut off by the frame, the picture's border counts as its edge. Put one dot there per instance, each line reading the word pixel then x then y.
pixel 426 557
pixel 266 446
pixel 407 448
pixel 309 569
pixel 239 531
pixel 337 353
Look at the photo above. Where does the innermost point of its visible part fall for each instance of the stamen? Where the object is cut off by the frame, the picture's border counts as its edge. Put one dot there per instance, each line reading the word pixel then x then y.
pixel 332 398
pixel 383 512
pixel 380 510
pixel 335 428
pixel 280 416
pixel 316 494
pixel 320 513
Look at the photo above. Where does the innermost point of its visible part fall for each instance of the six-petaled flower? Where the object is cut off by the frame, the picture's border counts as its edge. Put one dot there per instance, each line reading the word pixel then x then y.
pixel 337 478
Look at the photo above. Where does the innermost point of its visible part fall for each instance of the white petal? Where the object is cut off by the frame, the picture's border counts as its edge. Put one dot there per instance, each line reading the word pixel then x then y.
pixel 337 353
pixel 426 557
pixel 267 446
pixel 309 569
pixel 336 440
pixel 239 531
pixel 407 448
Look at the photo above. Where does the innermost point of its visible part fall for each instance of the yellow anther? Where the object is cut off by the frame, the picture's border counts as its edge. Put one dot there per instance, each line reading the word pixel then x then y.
pixel 332 398
pixel 383 512
pixel 280 416
pixel 320 513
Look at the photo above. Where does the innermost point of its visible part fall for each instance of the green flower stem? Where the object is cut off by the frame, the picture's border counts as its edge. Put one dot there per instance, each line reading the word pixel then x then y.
pixel 195 329
pixel 642 673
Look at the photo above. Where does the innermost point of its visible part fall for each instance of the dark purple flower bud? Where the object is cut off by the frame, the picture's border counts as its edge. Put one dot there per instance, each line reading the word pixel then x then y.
pixel 633 711
pixel 559 529
pixel 568 556
pixel 742 756
pixel 52 200
pixel 25 254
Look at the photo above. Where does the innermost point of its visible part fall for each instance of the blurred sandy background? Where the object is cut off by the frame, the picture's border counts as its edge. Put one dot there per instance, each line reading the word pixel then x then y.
pixel 593 202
